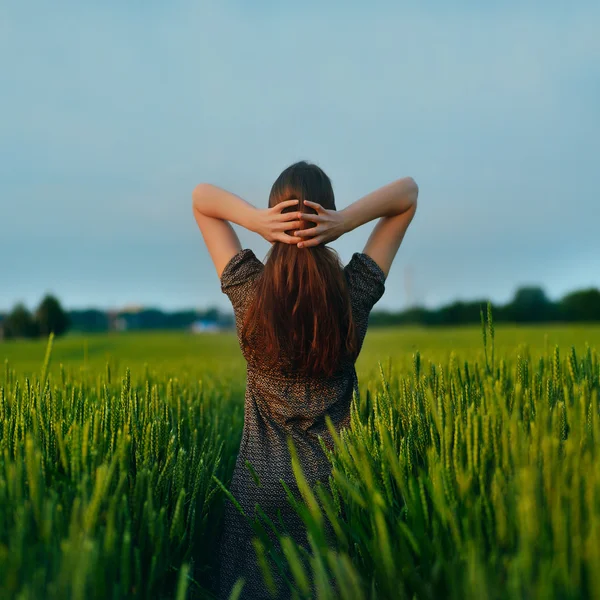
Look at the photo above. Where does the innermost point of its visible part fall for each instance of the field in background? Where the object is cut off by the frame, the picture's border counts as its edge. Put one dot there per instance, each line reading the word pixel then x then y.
pixel 210 353
pixel 467 472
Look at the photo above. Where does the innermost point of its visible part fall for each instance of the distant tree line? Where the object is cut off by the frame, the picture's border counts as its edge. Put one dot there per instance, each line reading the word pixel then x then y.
pixel 48 317
pixel 145 318
pixel 529 305
pixel 51 317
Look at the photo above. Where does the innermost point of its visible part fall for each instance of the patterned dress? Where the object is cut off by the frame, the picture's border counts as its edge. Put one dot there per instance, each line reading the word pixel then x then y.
pixel 277 406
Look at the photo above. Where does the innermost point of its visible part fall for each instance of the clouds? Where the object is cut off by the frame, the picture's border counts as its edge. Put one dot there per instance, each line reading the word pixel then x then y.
pixel 115 112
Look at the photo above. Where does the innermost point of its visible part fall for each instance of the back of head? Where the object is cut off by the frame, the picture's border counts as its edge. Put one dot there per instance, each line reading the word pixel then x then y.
pixel 300 319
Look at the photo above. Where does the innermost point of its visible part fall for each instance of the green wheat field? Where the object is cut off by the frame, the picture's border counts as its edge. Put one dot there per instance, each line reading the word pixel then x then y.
pixel 471 468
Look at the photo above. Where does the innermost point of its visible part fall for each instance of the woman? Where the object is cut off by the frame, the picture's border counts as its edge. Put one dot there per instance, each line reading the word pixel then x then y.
pixel 301 319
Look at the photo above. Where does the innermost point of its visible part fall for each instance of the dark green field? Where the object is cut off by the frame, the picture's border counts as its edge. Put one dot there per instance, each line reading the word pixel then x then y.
pixel 210 354
pixel 467 472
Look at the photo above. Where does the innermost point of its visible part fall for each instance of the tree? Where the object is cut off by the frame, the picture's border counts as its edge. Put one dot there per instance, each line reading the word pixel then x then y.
pixel 583 305
pixel 19 323
pixel 88 320
pixel 530 305
pixel 51 318
pixel 460 313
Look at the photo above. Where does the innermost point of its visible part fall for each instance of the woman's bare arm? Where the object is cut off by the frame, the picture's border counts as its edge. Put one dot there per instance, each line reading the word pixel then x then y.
pixel 215 209
pixel 393 204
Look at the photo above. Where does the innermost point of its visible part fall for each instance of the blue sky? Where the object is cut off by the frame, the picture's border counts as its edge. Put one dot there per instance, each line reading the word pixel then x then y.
pixel 113 111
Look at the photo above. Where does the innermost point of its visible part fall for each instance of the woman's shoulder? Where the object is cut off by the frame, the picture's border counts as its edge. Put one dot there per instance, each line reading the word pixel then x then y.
pixel 241 268
pixel 239 276
pixel 363 263
pixel 366 279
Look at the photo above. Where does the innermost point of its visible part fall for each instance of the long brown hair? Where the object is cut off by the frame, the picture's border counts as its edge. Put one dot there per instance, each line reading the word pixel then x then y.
pixel 300 318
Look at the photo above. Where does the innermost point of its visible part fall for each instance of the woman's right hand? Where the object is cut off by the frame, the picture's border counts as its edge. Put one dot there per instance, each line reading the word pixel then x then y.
pixel 330 225
pixel 273 224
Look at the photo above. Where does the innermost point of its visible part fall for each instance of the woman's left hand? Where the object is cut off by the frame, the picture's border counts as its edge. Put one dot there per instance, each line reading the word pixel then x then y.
pixel 329 226
pixel 272 223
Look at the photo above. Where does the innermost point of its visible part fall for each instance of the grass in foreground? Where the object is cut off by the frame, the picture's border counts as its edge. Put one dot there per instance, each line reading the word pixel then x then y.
pixel 461 475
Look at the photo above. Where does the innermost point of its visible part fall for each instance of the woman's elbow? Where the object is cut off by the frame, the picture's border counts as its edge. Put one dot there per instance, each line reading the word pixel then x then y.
pixel 413 188
pixel 199 195
pixel 408 194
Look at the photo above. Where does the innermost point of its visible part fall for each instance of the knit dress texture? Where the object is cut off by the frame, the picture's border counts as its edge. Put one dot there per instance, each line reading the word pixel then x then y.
pixel 278 405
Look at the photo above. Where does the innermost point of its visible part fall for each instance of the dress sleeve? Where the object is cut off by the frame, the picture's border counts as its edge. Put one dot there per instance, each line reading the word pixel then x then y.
pixel 237 278
pixel 366 285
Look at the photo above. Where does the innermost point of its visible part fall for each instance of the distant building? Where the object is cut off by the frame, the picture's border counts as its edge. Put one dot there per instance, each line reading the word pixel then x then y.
pixel 206 326
pixel 126 318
